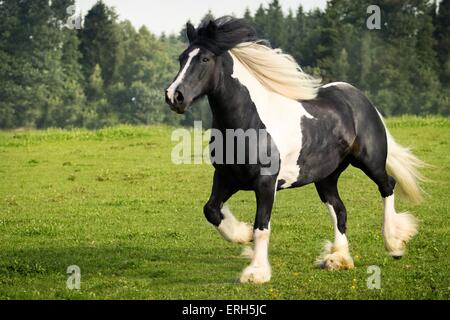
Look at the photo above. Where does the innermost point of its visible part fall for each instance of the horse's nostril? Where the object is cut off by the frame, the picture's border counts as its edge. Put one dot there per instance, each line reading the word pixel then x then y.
pixel 179 98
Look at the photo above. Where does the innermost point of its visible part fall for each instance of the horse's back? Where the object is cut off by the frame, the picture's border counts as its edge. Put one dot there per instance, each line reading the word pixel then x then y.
pixel 370 134
pixel 344 97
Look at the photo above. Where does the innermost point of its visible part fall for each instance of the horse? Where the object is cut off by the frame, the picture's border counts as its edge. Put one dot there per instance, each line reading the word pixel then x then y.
pixel 316 131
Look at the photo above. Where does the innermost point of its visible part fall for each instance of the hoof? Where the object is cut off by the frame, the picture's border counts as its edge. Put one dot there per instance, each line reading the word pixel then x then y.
pixel 397 257
pixel 401 228
pixel 335 258
pixel 256 274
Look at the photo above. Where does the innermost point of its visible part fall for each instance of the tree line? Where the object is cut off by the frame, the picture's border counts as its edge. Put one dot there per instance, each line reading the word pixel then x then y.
pixel 108 72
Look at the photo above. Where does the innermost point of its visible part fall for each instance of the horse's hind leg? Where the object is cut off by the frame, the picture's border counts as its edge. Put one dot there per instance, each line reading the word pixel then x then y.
pixel 336 255
pixel 220 216
pixel 398 228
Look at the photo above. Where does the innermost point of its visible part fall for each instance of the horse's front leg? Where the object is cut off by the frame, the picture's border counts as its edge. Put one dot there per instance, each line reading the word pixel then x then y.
pixel 259 270
pixel 220 216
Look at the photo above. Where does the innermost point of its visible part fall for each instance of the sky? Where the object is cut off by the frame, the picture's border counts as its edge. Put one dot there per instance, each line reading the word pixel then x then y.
pixel 169 16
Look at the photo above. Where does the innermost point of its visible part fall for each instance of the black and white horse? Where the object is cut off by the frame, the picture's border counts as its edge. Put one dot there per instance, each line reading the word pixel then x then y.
pixel 317 131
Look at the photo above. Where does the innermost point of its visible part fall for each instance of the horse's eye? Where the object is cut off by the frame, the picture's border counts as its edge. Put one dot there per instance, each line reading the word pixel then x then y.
pixel 205 59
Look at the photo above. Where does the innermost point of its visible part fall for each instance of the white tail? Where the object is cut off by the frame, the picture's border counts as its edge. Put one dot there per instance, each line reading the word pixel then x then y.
pixel 404 166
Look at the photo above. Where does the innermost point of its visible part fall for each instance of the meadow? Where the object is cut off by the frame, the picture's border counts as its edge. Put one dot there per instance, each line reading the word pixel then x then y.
pixel 112 202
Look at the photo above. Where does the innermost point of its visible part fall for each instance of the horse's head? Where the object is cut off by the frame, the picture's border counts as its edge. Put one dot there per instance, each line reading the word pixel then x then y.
pixel 196 76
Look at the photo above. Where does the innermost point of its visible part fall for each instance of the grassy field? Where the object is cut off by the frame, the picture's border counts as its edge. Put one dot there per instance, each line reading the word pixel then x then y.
pixel 112 202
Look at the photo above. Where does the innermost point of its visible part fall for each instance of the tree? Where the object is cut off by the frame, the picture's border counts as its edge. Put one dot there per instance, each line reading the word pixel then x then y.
pixel 290 32
pixel 32 71
pixel 341 68
pixel 275 24
pixel 442 44
pixel 100 43
pixel 260 22
pixel 327 51
pixel 248 15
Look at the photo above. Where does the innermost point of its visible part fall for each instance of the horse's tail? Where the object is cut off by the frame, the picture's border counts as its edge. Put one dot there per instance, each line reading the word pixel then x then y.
pixel 404 166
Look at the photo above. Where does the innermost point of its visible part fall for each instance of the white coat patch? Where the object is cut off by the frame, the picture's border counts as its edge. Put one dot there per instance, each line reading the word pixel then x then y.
pixel 398 228
pixel 259 270
pixel 332 84
pixel 234 230
pixel 179 79
pixel 281 116
pixel 336 255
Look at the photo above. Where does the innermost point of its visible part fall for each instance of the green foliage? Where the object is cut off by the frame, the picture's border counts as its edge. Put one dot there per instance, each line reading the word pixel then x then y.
pixel 100 43
pixel 442 43
pixel 108 72
pixel 35 68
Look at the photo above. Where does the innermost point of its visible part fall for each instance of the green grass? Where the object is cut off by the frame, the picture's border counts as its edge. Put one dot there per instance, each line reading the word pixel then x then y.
pixel 112 202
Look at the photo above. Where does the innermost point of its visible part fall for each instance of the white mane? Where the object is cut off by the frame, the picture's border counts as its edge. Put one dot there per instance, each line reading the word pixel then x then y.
pixel 277 71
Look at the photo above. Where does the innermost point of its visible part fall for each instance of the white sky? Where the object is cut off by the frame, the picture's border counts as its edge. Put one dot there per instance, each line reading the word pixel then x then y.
pixel 170 15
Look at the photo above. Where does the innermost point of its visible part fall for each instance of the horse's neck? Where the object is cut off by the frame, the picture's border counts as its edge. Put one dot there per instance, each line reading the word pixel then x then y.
pixel 230 102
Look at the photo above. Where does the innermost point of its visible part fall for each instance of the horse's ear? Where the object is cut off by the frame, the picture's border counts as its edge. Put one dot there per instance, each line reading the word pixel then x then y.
pixel 191 33
pixel 211 29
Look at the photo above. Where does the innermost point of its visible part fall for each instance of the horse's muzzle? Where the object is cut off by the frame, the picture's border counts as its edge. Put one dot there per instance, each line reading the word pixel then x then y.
pixel 177 102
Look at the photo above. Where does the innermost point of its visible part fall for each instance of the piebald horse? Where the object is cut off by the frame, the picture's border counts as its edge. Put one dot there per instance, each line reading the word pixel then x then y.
pixel 316 133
